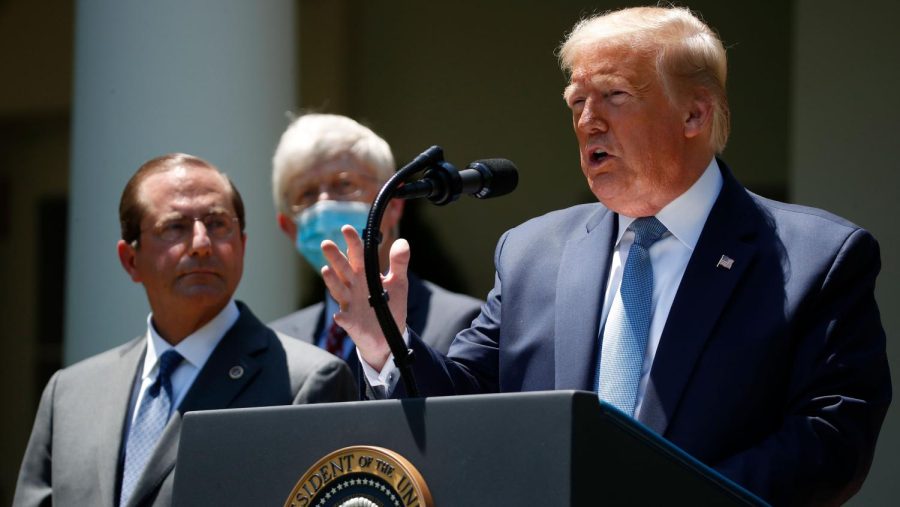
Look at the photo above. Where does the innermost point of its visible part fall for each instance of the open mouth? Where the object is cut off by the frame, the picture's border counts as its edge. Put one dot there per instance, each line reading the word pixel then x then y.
pixel 598 155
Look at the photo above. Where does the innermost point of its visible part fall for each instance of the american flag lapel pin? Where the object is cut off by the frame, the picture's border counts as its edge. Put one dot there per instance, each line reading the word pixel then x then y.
pixel 725 262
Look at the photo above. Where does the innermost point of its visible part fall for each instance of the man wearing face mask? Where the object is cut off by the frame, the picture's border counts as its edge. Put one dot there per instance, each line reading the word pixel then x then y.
pixel 327 170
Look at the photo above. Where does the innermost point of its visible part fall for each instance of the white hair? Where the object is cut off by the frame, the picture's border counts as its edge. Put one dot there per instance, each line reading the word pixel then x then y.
pixel 313 139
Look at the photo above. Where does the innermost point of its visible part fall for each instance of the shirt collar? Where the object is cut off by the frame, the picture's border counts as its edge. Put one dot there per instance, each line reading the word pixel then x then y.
pixel 686 215
pixel 196 347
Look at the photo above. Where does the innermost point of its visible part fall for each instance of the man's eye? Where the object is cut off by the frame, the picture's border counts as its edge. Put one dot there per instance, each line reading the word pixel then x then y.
pixel 576 103
pixel 215 223
pixel 174 226
pixel 616 96
pixel 344 186
pixel 309 195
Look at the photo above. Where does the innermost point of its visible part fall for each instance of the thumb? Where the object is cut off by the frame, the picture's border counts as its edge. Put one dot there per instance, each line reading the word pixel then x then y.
pixel 399 259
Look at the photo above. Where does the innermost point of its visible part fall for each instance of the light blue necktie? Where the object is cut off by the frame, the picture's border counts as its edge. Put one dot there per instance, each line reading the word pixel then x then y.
pixel 152 416
pixel 628 323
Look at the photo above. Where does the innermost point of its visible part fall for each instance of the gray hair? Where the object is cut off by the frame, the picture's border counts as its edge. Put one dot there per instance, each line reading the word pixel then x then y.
pixel 313 139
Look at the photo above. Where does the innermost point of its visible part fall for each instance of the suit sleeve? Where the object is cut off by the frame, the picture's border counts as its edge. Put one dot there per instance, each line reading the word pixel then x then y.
pixel 35 486
pixel 472 364
pixel 329 381
pixel 840 390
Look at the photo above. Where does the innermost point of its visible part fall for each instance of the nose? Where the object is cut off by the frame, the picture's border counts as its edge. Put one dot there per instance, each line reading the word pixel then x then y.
pixel 201 244
pixel 591 118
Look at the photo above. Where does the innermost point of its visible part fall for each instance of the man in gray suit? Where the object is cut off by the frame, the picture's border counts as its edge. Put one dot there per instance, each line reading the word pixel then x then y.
pixel 107 428
pixel 327 171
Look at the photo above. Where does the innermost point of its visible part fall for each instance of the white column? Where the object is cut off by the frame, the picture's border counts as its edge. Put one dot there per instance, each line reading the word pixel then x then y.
pixel 844 159
pixel 212 78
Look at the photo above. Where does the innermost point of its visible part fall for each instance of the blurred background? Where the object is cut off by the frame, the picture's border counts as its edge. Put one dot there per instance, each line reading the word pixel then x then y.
pixel 91 89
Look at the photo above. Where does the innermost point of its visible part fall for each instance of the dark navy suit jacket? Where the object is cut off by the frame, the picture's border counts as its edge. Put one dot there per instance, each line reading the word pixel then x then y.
pixel 774 371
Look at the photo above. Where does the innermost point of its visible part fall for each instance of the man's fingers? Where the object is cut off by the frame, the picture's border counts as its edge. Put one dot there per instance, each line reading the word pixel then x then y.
pixel 337 261
pixel 399 258
pixel 338 289
pixel 355 253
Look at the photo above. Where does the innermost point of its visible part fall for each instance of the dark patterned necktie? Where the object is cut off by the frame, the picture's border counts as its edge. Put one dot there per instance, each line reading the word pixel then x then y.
pixel 334 342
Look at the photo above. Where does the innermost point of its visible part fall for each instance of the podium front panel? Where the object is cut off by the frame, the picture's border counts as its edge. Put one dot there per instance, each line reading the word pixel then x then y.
pixel 544 448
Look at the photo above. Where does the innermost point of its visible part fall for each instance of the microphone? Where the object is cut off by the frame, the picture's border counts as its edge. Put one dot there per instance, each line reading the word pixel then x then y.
pixel 443 183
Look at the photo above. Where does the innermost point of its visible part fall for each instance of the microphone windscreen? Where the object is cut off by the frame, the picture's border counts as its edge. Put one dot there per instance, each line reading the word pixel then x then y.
pixel 503 180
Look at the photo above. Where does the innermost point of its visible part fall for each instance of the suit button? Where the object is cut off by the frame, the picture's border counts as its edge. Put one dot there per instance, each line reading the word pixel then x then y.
pixel 236 372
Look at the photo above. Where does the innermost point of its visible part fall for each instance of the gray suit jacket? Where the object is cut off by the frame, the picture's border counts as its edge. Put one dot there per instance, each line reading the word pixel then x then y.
pixel 73 456
pixel 434 313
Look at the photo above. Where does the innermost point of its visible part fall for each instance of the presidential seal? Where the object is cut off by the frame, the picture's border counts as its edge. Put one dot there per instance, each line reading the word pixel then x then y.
pixel 361 476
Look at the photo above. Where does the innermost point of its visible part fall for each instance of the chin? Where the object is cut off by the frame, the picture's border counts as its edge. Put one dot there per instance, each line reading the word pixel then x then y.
pixel 207 292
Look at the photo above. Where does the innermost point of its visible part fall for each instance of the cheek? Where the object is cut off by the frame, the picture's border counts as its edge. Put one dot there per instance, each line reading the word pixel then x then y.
pixel 232 254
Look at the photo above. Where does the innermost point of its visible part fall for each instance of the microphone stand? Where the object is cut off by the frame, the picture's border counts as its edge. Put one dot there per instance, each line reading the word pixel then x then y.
pixel 378 297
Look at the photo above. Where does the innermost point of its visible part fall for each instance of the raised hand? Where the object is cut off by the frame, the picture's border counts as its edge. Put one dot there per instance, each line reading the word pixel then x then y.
pixel 345 278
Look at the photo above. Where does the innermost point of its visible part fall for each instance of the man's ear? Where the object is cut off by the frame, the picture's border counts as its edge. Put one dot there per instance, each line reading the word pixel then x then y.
pixel 698 116
pixel 287 226
pixel 392 214
pixel 127 255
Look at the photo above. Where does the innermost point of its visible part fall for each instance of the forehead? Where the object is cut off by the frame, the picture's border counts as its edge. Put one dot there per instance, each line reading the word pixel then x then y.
pixel 184 189
pixel 620 64
pixel 344 162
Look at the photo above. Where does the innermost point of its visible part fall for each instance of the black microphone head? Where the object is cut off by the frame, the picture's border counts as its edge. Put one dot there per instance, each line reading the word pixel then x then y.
pixel 500 177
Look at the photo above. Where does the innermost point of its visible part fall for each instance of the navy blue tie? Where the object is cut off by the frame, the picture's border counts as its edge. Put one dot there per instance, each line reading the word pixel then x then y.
pixel 628 323
pixel 148 425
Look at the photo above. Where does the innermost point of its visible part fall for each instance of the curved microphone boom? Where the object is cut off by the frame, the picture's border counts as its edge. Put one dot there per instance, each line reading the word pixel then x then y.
pixel 442 184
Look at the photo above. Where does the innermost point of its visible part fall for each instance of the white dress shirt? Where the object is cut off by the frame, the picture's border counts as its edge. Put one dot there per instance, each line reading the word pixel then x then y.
pixel 684 219
pixel 195 348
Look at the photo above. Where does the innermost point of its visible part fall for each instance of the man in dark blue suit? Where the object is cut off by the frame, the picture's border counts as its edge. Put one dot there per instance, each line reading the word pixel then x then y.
pixel 741 329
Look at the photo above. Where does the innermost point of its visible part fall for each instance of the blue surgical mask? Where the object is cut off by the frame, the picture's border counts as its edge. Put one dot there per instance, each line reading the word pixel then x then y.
pixel 323 220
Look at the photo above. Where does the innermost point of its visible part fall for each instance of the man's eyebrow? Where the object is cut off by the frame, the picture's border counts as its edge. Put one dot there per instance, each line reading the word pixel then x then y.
pixel 170 215
pixel 217 210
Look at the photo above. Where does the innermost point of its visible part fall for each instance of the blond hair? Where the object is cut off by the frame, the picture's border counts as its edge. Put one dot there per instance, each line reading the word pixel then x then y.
pixel 688 54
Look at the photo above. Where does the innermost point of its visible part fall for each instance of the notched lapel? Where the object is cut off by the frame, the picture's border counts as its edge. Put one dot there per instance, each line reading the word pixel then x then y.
pixel 216 387
pixel 701 298
pixel 160 464
pixel 111 419
pixel 581 282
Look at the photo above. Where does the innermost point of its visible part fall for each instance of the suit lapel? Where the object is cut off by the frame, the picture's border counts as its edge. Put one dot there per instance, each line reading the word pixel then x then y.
pixel 581 282
pixel 705 288
pixel 310 332
pixel 111 419
pixel 231 366
pixel 216 386
pixel 161 462
pixel 416 304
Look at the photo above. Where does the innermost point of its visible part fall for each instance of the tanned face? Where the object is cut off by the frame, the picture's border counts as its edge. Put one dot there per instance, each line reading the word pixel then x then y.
pixel 631 137
pixel 192 277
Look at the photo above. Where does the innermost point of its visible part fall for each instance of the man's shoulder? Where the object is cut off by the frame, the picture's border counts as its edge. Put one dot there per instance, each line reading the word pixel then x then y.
pixel 446 297
pixel 299 323
pixel 97 368
pixel 307 356
pixel 542 234
pixel 566 218
pixel 807 215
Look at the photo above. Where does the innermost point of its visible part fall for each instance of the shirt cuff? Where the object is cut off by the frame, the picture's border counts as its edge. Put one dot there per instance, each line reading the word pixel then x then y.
pixel 389 375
